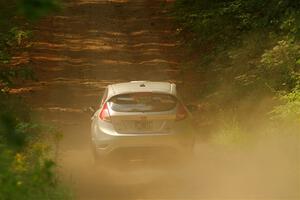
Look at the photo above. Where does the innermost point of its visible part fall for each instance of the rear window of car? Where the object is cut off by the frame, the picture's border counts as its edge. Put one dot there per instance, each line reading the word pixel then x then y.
pixel 142 102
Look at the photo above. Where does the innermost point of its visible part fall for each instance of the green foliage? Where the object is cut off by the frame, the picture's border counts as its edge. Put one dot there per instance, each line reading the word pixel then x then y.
pixel 4 57
pixel 34 9
pixel 26 162
pixel 281 65
pixel 30 9
pixel 249 44
pixel 27 169
pixel 14 16
pixel 289 110
pixel 14 40
pixel 225 22
pixel 229 133
pixel 8 75
pixel 248 51
pixel 22 180
pixel 17 36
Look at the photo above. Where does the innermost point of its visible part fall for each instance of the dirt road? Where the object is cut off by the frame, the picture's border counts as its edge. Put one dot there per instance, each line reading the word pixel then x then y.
pixel 90 44
pixel 93 43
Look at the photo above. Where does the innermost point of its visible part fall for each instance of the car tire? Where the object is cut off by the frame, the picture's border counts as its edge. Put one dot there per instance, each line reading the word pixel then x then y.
pixel 98 160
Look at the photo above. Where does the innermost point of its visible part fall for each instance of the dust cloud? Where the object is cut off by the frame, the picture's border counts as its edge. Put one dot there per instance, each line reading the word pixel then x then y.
pixel 268 168
pixel 93 43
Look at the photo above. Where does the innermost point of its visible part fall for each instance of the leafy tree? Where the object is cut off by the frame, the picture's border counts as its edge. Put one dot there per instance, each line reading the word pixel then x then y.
pixel 248 49
pixel 27 169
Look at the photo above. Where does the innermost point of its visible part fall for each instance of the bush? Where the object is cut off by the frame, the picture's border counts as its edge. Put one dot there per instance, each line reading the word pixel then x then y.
pixel 26 155
pixel 289 110
pixel 27 149
pixel 223 23
pixel 281 65
pixel 248 51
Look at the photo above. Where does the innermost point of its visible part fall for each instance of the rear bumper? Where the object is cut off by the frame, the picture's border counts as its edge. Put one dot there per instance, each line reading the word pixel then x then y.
pixel 107 142
pixel 143 145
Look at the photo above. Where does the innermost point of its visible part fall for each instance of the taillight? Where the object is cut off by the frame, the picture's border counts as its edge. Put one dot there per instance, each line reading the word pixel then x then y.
pixel 104 113
pixel 181 113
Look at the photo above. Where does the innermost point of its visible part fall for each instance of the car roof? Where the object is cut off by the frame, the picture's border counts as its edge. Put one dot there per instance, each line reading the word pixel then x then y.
pixel 141 86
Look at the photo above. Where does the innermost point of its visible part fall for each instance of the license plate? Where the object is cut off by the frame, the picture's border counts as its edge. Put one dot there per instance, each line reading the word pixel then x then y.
pixel 143 125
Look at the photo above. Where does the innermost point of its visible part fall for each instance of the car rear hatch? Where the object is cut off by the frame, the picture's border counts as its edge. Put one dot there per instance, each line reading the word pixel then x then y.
pixel 142 113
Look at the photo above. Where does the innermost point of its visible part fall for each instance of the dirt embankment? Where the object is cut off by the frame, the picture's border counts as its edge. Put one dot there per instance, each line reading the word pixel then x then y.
pixel 93 43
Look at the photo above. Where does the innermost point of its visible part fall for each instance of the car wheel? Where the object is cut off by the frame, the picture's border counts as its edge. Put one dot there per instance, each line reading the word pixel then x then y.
pixel 98 160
